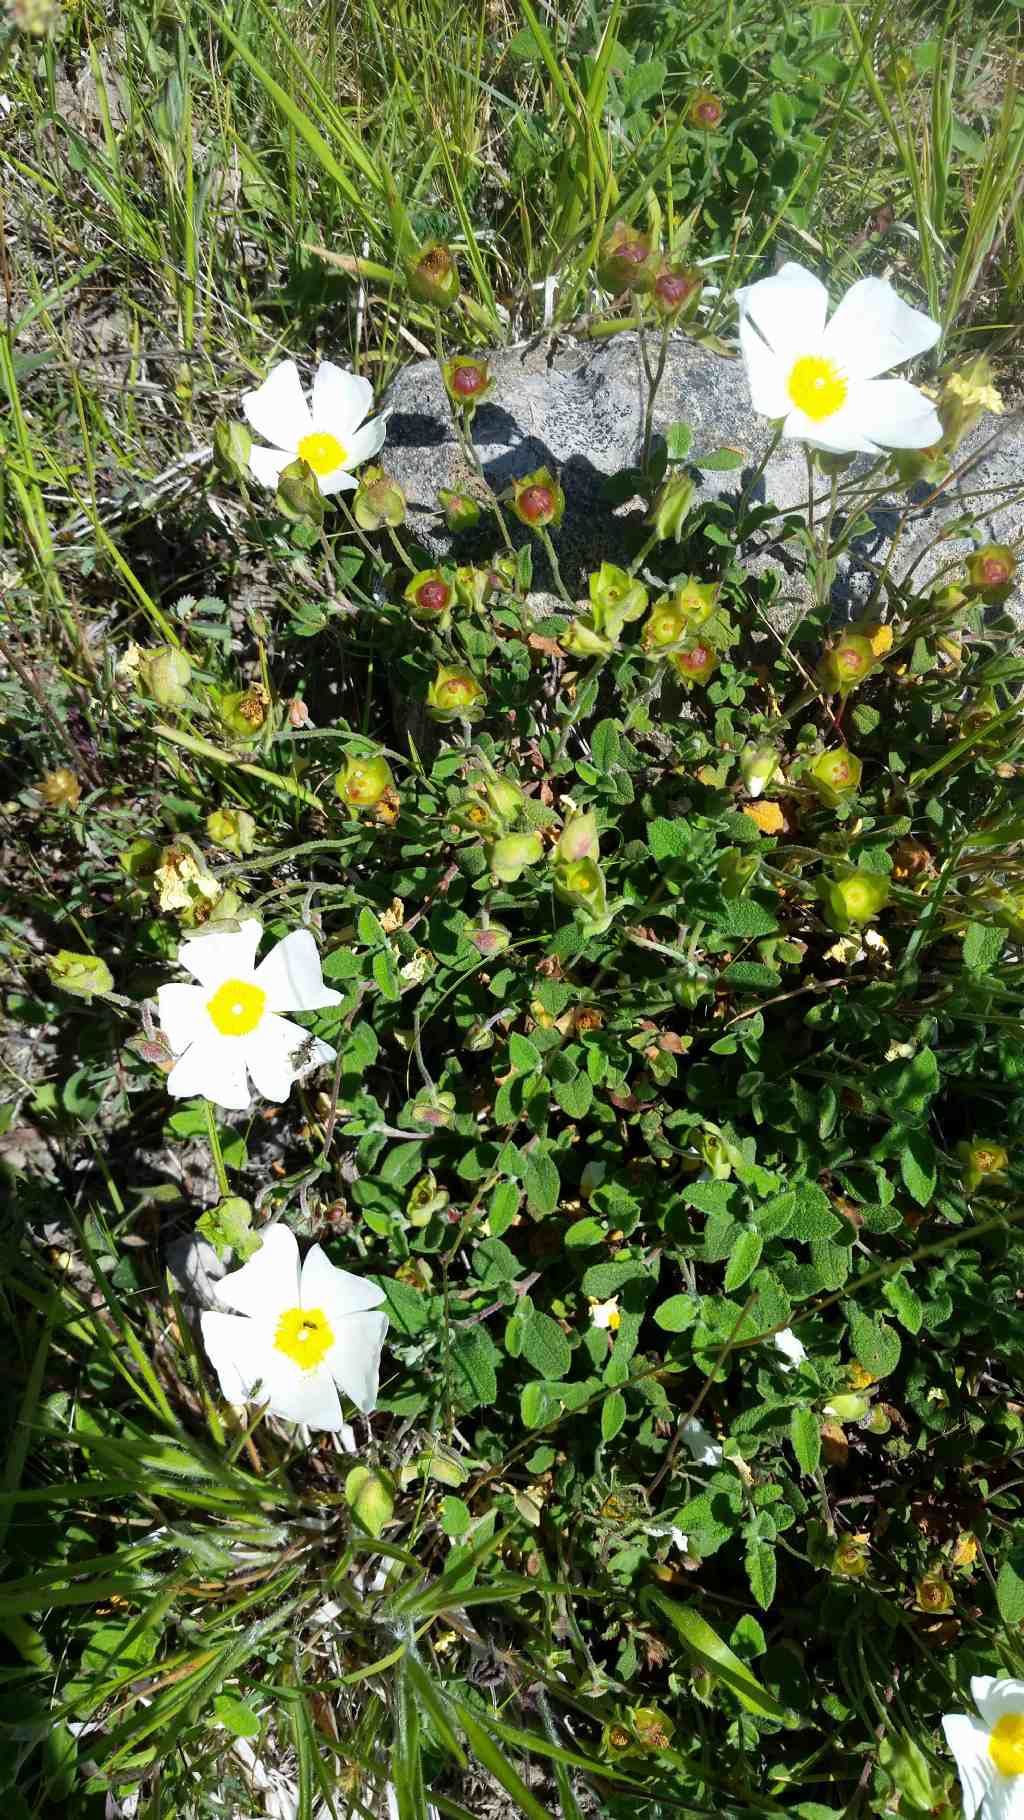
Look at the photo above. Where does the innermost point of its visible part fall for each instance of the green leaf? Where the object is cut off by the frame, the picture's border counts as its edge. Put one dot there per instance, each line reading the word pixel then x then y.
pixel 917 1166
pixel 603 1280
pixel 409 1310
pixel 385 973
pixel 473 1358
pixel 710 1197
pixel 534 1404
pixel 228 1226
pixel 904 1302
pixel 805 1435
pixel 812 1216
pixel 575 1096
pixel 371 930
pixel 677 1313
pixel 1010 1587
pixel 760 1564
pixel 678 441
pixel 707 1648
pixel 746 1255
pixel 743 917
pixel 982 947
pixel 541 1182
pixel 907 1087
pixel 720 461
pixel 456 1516
pixel 605 745
pixel 545 1346
pixel 613 1414
pixel 523 1055
pixel 875 1344
pixel 235 1716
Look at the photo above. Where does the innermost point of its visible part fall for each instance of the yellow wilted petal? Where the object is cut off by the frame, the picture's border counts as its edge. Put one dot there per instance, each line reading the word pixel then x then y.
pixel 766 816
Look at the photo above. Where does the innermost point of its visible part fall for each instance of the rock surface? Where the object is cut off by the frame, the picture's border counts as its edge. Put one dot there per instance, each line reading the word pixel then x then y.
pixel 580 410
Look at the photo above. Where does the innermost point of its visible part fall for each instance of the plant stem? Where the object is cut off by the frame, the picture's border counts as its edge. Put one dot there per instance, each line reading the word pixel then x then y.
pixel 402 557
pixel 644 551
pixel 653 383
pixel 581 693
pixel 218 1159
pixel 204 748
pixel 545 537
pixel 466 441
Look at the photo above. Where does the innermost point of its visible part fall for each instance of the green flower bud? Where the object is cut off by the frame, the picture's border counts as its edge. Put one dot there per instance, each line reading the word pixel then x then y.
pixel 455 694
pixel 505 798
pixel 460 512
pixel 60 789
pixel 720 1157
pixel 578 839
pixel 695 664
pixel 736 870
pixel 378 501
pixel 233 829
pixel 371 1498
pixel 433 276
pixel 675 291
pixel 244 711
pixel 847 664
pixel 675 617
pixel 933 1594
pixel 584 640
pixel 848 1407
pixel 990 571
pixel 854 899
pixel 537 499
pixel 627 260
pixel 671 508
pixel 298 497
pixel 425 1199
pixel 850 1561
pixel 982 1161
pixel 165 675
pixel 364 781
pixel 580 883
pixel 83 975
pixel 616 1741
pixel 652 1729
pixel 430 594
pixel 509 857
pixel 232 446
pixel 467 381
pixel 489 940
pixel 706 111
pixel 759 766
pixel 617 599
pixel 835 776
pixel 473 586
pixel 690 985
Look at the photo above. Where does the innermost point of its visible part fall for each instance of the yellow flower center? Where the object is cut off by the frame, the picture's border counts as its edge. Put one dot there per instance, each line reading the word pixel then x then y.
pixel 236 1007
pixel 305 1336
pixel 817 387
pixel 323 452
pixel 1006 1745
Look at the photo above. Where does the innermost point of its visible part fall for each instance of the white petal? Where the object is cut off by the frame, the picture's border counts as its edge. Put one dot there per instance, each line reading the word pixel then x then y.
pixel 268 1055
pixel 237 1350
pixel 835 433
pixel 340 401
pixel 367 442
pixel 791 1348
pixel 873 330
pixel 766 373
pixel 277 409
pixel 291 977
pixel 222 954
pixel 354 1359
pixel 182 1013
pixel 269 1282
pixel 303 1396
pixel 968 1740
pixel 267 464
pixel 893 413
pixel 995 1696
pixel 704 1449
pixel 339 480
pixel 213 1067
pixel 788 309
pixel 337 1292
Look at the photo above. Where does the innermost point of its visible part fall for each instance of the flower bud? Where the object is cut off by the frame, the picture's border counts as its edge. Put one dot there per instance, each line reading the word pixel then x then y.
pixel 505 798
pixel 455 694
pixel 759 766
pixel 626 261
pixel 616 1741
pixel 233 829
pixel 652 1729
pixel 509 857
pixel 232 446
pixel 430 594
pixel 461 513
pixel 165 675
pixel 364 781
pixel 83 975
pixel 671 507
pixel 854 899
pixel 850 1561
pixel 537 499
pixel 675 291
pixel 990 571
pixel 982 1161
pixel 933 1594
pixel 696 664
pixel 244 711
pixel 735 870
pixel 378 501
pixel 467 381
pixel 720 1156
pixel 371 1498
pixel 848 1408
pixel 298 497
pixel 584 640
pixel 706 111
pixel 835 776
pixel 433 276
pixel 473 586
pixel 847 664
pixel 675 617
pixel 578 839
pixel 617 599
pixel 60 789
pixel 580 883
pixel 489 941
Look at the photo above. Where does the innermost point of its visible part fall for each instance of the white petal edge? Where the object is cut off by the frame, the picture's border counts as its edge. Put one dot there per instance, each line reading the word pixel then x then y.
pixel 873 330
pixel 791 1348
pixel 268 1283
pixel 223 954
pixel 291 976
pixel 182 1014
pixel 212 1068
pixel 277 409
pixel 302 1396
pixel 367 442
pixel 766 373
pixel 996 1695
pixel 893 413
pixel 337 1292
pixel 967 1738
pixel 237 1350
pixel 354 1359
pixel 789 309
pixel 338 481
pixel 268 464
pixel 340 401
pixel 833 434
pixel 268 1055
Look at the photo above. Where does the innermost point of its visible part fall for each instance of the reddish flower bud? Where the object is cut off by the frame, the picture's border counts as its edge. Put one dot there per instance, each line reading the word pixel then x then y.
pixel 676 289
pixel 992 568
pixel 430 595
pixel 626 261
pixel 538 500
pixel 695 665
pixel 706 111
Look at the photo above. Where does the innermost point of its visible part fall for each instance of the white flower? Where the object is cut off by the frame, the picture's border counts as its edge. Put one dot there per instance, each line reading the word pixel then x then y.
pixel 791 1348
pixel 823 381
pixel 989 1751
pixel 297 1334
pixel 705 1450
pixel 325 433
pixel 229 1026
pixel 606 1314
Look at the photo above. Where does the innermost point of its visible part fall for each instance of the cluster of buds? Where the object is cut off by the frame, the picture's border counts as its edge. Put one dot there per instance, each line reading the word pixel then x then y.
pixel 366 784
pixel 493 807
pixel 60 789
pixel 615 599
pixel 982 1161
pixel 244 713
pixel 853 897
pixel 674 620
pixel 578 878
pixel 835 776
pixel 431 595
pixel 537 500
pixel 627 261
pixel 847 664
pixel 232 829
pixel 454 695
pixel 467 381
pixel 432 275
pixel 378 502
pixel 461 513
